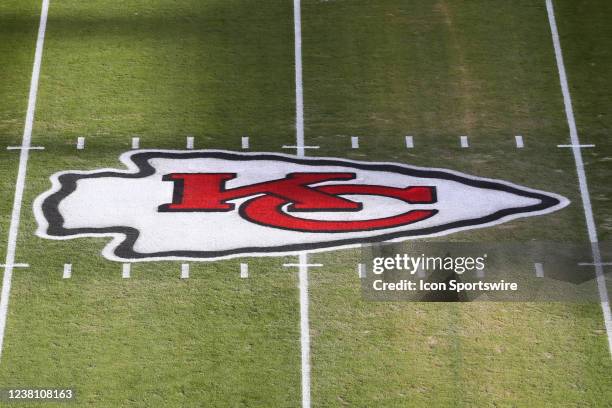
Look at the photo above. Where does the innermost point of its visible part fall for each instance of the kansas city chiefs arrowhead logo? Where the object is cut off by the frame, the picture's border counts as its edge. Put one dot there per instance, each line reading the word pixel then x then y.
pixel 216 204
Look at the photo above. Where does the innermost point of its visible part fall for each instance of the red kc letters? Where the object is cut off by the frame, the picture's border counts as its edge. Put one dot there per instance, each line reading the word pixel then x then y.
pixel 273 200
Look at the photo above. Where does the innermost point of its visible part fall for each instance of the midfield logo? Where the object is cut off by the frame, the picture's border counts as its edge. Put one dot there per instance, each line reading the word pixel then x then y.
pixel 215 204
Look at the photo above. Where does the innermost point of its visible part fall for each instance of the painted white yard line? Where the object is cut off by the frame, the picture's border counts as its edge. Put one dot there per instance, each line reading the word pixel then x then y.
pixel 189 144
pixel 244 270
pixel 21 173
pixel 126 271
pixel 135 143
pixel 303 256
pixel 67 271
pixel 361 270
pixel 80 143
pixel 519 141
pixel 301 147
pixel 245 142
pixel 582 180
pixel 16 265
pixel 409 142
pixel 464 142
pixel 304 328
pixel 299 90
pixel 539 270
pixel 354 142
pixel 184 271
pixel 577 146
pixel 302 265
pixel 593 264
pixel 29 148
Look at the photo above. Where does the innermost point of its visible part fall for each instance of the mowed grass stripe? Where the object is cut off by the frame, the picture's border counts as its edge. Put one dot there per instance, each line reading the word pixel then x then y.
pixel 221 70
pixel 161 70
pixel 438 70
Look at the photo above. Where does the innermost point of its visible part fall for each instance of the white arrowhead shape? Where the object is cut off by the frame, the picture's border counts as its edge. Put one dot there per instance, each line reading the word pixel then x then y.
pixel 124 204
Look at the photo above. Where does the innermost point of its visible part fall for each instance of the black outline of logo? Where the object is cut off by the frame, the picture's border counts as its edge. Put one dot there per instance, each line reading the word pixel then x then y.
pixel 125 250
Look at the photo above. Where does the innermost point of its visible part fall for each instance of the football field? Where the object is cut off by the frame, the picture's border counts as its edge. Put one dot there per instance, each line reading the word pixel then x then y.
pixel 476 87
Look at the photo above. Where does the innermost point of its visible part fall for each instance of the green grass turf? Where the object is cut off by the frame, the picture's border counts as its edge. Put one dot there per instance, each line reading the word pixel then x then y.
pixel 437 70
pixel 155 340
pixel 18 25
pixel 161 71
pixel 589 64
pixel 219 70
